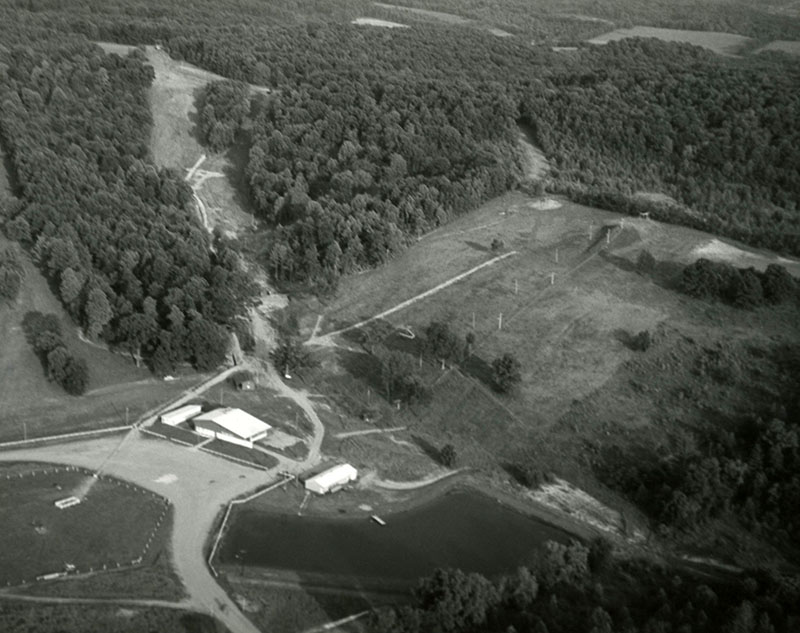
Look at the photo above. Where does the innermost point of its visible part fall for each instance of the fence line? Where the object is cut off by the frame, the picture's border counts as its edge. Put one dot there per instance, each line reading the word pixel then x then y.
pixel 66 436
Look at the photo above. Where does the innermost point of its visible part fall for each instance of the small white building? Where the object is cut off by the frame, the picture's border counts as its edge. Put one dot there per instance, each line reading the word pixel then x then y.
pixel 231 425
pixel 332 479
pixel 181 414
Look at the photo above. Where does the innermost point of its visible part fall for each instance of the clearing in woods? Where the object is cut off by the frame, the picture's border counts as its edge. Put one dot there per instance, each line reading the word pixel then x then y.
pixel 582 383
pixel 789 47
pixel 719 42
pixel 219 181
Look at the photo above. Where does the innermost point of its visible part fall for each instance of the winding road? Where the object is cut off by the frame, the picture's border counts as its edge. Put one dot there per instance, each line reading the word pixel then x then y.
pixel 198 485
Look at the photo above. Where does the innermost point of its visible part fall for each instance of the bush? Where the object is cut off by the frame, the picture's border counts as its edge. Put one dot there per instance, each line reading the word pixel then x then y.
pixel 448 456
pixel 506 372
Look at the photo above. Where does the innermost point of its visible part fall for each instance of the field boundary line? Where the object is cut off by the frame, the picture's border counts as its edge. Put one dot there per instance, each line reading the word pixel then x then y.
pixel 414 299
pixel 286 478
pixel 66 436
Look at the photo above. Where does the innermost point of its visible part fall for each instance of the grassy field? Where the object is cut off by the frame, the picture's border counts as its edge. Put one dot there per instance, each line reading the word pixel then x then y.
pixel 784 46
pixel 174 139
pixel 583 387
pixel 112 524
pixel 721 43
pixel 31 401
pixel 288 610
pixel 24 617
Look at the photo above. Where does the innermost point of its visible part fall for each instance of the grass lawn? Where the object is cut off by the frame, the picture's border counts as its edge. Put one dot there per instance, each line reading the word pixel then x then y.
pixel 154 579
pixel 111 525
pixel 25 617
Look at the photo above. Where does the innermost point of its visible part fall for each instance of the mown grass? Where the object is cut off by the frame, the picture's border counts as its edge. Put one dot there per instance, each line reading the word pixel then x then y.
pixel 25 617
pixel 111 525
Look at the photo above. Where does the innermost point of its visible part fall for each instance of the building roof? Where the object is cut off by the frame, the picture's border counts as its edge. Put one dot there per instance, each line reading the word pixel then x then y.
pixel 235 422
pixel 187 410
pixel 336 475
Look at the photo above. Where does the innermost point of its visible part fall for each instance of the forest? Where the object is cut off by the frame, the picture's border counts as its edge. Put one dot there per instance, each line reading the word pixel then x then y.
pixel 370 139
pixel 582 587
pixel 115 236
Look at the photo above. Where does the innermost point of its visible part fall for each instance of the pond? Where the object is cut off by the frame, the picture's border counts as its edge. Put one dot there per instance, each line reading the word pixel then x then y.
pixel 463 529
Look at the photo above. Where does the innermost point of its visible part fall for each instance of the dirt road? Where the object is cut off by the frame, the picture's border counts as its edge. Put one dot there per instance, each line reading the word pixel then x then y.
pixel 197 484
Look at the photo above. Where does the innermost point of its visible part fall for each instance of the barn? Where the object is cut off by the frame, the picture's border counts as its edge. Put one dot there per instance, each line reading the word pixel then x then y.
pixel 231 425
pixel 332 479
pixel 181 414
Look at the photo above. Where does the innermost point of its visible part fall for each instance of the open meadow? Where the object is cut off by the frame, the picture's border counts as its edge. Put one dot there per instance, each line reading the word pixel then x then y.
pixel 583 386
pixel 114 525
pixel 719 42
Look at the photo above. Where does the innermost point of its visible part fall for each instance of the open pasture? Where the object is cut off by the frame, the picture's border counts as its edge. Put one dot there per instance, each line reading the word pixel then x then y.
pixel 572 337
pixel 112 524
pixel 719 42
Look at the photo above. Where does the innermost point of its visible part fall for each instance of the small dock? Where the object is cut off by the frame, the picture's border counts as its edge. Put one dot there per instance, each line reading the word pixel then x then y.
pixel 378 520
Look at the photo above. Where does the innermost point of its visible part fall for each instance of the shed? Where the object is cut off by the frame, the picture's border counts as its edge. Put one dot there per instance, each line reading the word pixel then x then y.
pixel 231 425
pixel 181 414
pixel 332 479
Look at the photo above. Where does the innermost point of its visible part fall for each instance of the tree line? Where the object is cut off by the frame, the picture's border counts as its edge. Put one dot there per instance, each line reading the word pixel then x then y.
pixel 578 587
pixel 114 235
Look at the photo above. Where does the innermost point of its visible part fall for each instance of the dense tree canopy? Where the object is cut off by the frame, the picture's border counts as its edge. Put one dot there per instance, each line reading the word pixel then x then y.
pixel 114 234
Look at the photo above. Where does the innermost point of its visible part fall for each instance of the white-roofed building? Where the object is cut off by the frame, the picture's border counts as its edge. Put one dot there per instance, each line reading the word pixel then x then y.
pixel 181 414
pixel 331 479
pixel 231 425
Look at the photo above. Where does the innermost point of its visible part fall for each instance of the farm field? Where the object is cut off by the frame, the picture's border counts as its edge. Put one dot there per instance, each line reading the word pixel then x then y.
pixel 582 384
pixel 719 42
pixel 112 524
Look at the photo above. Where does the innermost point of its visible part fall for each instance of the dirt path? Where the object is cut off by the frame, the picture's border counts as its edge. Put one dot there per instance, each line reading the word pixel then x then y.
pixel 340 436
pixel 372 480
pixel 327 339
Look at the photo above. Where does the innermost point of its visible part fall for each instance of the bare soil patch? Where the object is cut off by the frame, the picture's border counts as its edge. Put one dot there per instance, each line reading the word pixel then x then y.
pixel 378 22
pixel 719 42
pixel 450 18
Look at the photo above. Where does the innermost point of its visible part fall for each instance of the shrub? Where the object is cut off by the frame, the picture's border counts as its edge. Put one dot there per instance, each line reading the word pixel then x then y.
pixel 448 456
pixel 506 372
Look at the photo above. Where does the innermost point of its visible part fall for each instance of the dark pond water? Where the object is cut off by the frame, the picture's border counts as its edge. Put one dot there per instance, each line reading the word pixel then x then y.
pixel 467 530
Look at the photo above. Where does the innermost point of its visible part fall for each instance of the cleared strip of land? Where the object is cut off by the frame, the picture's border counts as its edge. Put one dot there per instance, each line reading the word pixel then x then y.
pixel 321 340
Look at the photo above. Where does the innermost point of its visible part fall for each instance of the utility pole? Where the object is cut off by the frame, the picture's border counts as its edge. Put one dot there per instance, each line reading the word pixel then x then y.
pixel 473 320
pixel 552 278
pixel 500 321
pixel 25 430
pixel 516 287
pixel 556 256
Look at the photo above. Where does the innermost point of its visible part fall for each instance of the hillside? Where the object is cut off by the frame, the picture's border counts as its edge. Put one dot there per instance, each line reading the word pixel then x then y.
pixel 584 389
